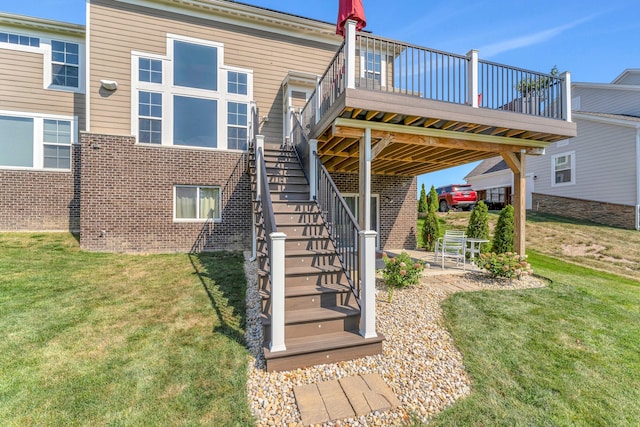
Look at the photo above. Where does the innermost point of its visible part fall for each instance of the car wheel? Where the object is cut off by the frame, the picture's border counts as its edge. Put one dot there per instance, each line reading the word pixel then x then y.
pixel 443 206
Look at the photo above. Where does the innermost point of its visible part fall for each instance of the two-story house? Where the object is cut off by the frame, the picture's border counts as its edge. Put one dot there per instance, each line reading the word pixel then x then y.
pixel 215 125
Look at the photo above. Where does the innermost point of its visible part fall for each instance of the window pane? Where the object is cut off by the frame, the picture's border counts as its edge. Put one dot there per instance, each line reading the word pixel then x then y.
pixel 4 37
pixel 209 203
pixel 186 202
pixel 58 131
pixel 237 83
pixel 195 122
pixel 16 141
pixel 195 65
pixel 150 131
pixel 58 157
pixel 150 70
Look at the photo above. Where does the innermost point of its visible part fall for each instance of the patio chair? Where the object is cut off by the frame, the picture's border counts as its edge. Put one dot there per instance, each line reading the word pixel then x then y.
pixel 453 246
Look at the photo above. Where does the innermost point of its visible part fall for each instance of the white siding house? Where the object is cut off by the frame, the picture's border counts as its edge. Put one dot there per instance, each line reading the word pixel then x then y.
pixel 595 175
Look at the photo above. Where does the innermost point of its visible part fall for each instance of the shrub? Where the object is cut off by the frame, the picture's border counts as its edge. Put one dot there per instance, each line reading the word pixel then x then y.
pixel 479 225
pixel 401 271
pixel 422 203
pixel 509 264
pixel 433 200
pixel 503 239
pixel 430 230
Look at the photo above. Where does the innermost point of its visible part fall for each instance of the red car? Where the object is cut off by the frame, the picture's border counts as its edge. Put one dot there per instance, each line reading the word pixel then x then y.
pixel 456 196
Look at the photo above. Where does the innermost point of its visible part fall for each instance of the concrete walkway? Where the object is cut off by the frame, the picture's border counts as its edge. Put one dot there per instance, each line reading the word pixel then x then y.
pixel 344 398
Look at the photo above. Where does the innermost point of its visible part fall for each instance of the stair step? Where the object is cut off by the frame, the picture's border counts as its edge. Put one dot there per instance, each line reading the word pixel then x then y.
pixel 303 230
pixel 287 179
pixel 296 206
pixel 301 297
pixel 316 321
pixel 290 195
pixel 289 188
pixel 298 218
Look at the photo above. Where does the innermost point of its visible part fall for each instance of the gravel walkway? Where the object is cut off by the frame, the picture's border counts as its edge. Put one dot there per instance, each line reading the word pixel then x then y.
pixel 419 361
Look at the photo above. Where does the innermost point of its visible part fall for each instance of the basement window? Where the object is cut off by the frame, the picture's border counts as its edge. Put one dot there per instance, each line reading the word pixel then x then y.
pixel 196 203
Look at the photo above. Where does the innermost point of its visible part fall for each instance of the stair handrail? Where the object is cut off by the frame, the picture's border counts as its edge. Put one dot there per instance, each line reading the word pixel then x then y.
pixel 275 254
pixel 300 144
pixel 342 226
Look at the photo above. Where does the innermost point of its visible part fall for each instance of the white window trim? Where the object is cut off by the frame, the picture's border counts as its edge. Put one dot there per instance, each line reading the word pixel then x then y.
pixel 383 66
pixel 572 168
pixel 169 90
pixel 200 220
pixel 45 51
pixel 38 138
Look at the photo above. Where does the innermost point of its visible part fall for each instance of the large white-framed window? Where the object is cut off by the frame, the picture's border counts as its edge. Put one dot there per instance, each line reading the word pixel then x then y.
pixel 200 102
pixel 36 141
pixel 196 203
pixel 563 169
pixel 63 58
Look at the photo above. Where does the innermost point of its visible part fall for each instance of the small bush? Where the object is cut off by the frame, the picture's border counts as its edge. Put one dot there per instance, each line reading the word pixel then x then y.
pixel 509 264
pixel 430 230
pixel 479 225
pixel 503 239
pixel 401 271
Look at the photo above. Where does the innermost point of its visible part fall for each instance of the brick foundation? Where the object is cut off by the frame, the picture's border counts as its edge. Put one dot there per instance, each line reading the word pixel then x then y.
pixel 398 206
pixel 127 197
pixel 589 210
pixel 36 200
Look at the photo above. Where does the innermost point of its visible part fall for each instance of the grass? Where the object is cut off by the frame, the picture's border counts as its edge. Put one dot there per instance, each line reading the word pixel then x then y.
pixel 94 338
pixel 604 248
pixel 568 354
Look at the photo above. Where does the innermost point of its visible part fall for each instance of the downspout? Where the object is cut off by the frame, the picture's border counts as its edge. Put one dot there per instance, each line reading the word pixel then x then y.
pixel 637 177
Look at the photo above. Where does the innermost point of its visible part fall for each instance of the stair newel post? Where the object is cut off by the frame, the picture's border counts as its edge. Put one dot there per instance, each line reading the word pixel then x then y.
pixel 566 95
pixel 313 171
pixel 276 251
pixel 368 283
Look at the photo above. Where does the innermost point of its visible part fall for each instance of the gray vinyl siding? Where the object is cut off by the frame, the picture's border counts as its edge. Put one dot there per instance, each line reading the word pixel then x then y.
pixel 22 87
pixel 630 79
pixel 607 100
pixel 605 164
pixel 118 28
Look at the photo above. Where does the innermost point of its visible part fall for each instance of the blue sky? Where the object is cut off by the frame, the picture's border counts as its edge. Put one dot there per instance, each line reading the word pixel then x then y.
pixel 594 40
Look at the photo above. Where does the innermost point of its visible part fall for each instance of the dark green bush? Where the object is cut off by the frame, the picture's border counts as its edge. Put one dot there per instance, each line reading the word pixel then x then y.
pixel 503 238
pixel 479 225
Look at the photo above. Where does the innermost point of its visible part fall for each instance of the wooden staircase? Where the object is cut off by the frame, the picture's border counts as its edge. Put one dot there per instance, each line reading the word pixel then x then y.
pixel 322 315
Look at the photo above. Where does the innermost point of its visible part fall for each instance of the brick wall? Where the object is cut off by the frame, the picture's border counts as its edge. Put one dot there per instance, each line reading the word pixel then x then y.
pixel 127 197
pixel 398 207
pixel 589 210
pixel 33 200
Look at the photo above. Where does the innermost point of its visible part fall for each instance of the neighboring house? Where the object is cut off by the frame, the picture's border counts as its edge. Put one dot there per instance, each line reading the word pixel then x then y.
pixel 493 181
pixel 595 175
pixel 182 107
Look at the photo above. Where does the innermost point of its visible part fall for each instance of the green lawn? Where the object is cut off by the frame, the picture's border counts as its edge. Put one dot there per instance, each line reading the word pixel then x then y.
pixel 568 354
pixel 93 338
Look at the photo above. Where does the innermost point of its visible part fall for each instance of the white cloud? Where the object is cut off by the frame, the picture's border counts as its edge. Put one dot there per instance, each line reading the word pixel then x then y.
pixel 529 40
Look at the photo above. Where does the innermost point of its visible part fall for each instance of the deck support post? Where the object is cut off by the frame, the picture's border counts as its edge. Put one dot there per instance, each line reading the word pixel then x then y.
pixel 313 172
pixel 368 284
pixel 472 87
pixel 350 53
pixel 566 95
pixel 367 242
pixel 516 162
pixel 276 268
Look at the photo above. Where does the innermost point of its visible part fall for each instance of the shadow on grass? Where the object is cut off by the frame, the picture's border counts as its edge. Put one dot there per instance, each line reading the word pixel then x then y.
pixel 221 275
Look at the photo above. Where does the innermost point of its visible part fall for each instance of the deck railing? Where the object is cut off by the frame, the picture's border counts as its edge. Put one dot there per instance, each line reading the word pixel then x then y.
pixel 369 62
pixel 301 145
pixel 343 227
pixel 392 66
pixel 522 91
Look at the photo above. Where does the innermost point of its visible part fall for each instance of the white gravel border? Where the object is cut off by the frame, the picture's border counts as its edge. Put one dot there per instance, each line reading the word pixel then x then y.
pixel 419 361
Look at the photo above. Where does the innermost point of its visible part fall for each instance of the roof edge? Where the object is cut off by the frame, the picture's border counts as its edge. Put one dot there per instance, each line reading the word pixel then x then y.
pixel 48 25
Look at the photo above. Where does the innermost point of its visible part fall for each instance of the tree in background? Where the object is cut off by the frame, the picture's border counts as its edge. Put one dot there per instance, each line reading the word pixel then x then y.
pixel 431 225
pixel 422 202
pixel 503 239
pixel 479 225
pixel 432 201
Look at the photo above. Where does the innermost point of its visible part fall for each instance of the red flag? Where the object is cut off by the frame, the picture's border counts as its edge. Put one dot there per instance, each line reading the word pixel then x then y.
pixel 350 9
